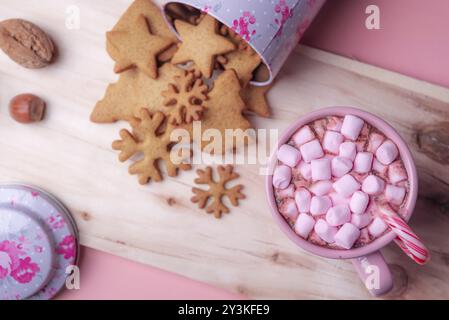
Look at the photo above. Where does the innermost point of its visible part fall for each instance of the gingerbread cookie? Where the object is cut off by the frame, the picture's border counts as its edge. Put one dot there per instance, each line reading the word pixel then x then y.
pixel 156 21
pixel 255 99
pixel 243 61
pixel 185 98
pixel 155 101
pixel 217 190
pixel 201 44
pixel 262 73
pixel 133 91
pixel 137 48
pixel 146 141
pixel 168 54
pixel 224 110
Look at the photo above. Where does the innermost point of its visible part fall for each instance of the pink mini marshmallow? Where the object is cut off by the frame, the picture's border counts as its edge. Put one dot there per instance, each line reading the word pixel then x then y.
pixel 352 126
pixel 332 141
pixel 379 167
pixel 320 205
pixel 363 162
pixel 303 136
pixel 302 199
pixel 325 231
pixel 359 202
pixel 361 220
pixel 340 166
pixel 394 194
pixel 347 236
pixel 375 141
pixel 311 150
pixel 377 227
pixel 338 215
pixel 338 199
pixel 396 172
pixel 286 193
pixel 282 176
pixel 346 186
pixel 387 152
pixel 373 185
pixel 288 209
pixel 321 169
pixel 289 155
pixel 348 150
pixel 305 169
pixel 304 225
pixel 321 188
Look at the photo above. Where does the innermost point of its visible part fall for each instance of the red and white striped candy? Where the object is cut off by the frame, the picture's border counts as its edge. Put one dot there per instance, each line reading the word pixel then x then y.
pixel 407 240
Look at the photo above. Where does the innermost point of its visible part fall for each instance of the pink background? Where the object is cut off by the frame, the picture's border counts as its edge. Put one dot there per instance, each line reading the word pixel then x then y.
pixel 413 40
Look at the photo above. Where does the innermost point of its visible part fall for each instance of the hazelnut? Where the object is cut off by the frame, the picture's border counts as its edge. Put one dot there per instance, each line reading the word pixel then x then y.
pixel 27 108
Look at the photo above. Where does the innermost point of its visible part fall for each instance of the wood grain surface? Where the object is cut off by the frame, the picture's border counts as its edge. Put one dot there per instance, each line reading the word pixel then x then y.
pixel 156 224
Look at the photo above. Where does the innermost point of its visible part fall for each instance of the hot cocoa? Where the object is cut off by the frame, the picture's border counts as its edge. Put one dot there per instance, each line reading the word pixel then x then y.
pixel 330 177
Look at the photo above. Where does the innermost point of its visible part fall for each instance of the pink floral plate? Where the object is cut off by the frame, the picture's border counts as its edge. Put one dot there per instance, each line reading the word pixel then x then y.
pixel 38 243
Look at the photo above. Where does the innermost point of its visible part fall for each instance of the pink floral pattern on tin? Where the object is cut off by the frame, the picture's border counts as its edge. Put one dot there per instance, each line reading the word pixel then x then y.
pixel 242 25
pixel 285 13
pixel 67 247
pixel 15 263
pixel 206 8
pixel 25 271
pixel 56 221
pixel 38 226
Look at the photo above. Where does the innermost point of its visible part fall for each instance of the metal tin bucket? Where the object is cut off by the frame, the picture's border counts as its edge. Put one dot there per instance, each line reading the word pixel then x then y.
pixel 272 28
pixel 38 243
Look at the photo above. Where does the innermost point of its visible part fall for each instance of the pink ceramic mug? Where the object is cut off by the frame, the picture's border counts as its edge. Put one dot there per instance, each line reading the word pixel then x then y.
pixel 369 255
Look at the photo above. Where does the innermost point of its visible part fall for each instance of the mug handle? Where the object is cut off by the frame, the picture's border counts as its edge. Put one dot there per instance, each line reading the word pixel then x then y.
pixel 374 272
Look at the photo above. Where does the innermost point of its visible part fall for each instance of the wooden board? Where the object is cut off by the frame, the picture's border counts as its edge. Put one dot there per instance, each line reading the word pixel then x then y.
pixel 157 225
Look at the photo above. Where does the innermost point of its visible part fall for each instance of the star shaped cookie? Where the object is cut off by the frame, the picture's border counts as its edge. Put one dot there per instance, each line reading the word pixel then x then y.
pixel 156 21
pixel 244 62
pixel 201 44
pixel 137 48
pixel 255 99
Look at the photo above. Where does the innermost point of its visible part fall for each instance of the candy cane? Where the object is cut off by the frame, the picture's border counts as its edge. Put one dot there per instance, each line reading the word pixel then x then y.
pixel 407 240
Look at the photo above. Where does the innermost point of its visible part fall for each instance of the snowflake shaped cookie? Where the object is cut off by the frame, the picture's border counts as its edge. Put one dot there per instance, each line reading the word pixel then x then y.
pixel 217 190
pixel 145 141
pixel 185 98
